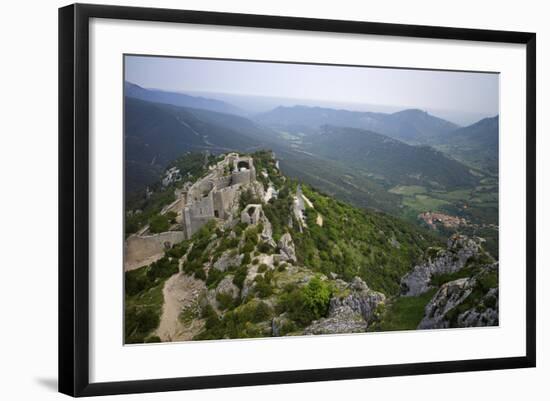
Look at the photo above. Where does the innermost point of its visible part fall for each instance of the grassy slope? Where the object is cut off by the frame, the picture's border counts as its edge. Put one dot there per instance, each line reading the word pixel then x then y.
pixel 375 246
pixel 404 313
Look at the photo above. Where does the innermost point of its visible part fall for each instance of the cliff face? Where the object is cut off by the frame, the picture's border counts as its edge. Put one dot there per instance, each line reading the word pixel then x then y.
pixel 465 302
pixel 440 261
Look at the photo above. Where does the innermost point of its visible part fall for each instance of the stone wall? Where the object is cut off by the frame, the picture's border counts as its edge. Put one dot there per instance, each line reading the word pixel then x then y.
pixel 198 214
pixel 223 200
pixel 142 250
pixel 222 182
pixel 240 177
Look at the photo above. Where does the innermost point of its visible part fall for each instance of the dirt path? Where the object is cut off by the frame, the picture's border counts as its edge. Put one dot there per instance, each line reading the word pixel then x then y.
pixel 180 292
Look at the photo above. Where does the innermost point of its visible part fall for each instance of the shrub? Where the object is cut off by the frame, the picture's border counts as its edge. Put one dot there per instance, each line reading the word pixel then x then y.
pixel 208 312
pixel 263 287
pixel 239 229
pixel 251 235
pixel 240 276
pixel 237 323
pixel 225 300
pixel 264 247
pixel 159 223
pixel 162 268
pixel 200 274
pixel 153 339
pixel 247 247
pixel 171 216
pixel 138 323
pixel 309 303
pixel 178 250
pixel 246 259
pixel 317 296
pixel 287 327
pixel 261 312
pixel 262 268
pixel 214 277
pixel 135 281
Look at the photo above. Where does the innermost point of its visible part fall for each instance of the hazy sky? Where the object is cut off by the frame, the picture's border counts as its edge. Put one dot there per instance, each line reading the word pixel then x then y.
pixel 456 91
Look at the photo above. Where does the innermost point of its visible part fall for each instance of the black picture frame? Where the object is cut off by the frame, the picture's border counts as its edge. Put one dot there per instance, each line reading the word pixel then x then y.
pixel 74 198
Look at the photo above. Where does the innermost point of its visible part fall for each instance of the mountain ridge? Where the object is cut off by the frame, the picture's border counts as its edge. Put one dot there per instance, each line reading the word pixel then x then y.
pixel 397 161
pixel 410 125
pixel 180 99
pixel 476 144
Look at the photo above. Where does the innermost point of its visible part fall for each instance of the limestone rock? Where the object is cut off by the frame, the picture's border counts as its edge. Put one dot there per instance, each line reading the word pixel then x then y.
pixel 286 245
pixel 459 249
pixel 227 260
pixel 278 325
pixel 449 296
pixel 480 317
pixel 350 313
pixel 267 232
pixel 482 310
pixel 344 320
pixel 360 299
pixel 227 287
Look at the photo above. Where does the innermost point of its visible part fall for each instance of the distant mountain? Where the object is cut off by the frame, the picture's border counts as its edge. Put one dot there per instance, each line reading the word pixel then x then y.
pixel 476 144
pixel 388 159
pixel 179 99
pixel 156 134
pixel 417 125
pixel 412 126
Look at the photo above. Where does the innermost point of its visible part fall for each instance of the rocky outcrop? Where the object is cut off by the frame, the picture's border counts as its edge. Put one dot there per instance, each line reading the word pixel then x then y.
pixel 349 312
pixel 344 320
pixel 227 287
pixel 440 261
pixel 286 246
pixel 267 232
pixel 280 325
pixel 227 260
pixel 448 297
pixel 361 299
pixel 482 315
pixel 465 302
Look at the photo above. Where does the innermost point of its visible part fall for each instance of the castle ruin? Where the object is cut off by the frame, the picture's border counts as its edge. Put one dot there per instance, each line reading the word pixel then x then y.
pixel 212 196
